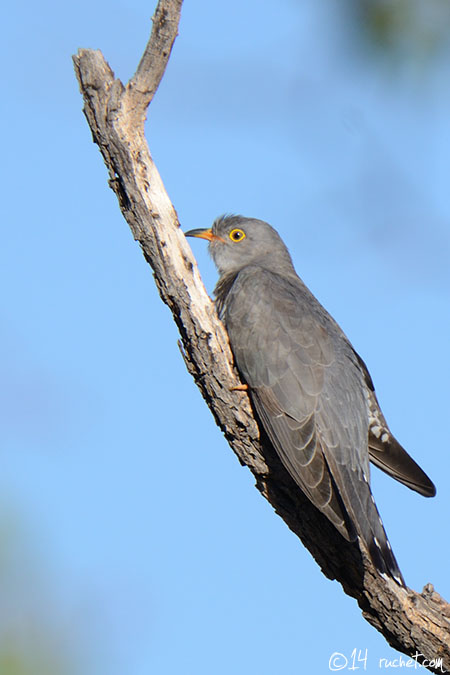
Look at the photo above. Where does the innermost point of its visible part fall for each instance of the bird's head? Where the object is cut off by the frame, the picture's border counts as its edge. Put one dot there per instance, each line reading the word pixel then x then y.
pixel 235 242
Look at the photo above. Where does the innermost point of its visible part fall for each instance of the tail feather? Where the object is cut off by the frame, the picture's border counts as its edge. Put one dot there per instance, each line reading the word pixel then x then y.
pixel 385 562
pixel 364 520
pixel 374 536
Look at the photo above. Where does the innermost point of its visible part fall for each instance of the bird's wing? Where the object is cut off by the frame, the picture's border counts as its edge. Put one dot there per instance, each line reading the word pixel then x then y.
pixel 389 456
pixel 386 452
pixel 309 392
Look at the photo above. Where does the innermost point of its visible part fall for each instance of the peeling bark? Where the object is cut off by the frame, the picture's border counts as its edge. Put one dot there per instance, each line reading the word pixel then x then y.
pixel 413 623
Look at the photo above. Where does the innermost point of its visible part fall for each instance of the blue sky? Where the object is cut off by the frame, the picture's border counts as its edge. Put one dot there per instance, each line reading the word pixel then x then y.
pixel 133 540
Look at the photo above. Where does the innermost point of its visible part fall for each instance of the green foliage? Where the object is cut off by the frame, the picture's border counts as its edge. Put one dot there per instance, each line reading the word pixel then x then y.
pixel 34 635
pixel 403 29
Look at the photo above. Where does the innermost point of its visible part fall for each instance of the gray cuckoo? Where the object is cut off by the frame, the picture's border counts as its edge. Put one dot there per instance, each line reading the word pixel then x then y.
pixel 310 389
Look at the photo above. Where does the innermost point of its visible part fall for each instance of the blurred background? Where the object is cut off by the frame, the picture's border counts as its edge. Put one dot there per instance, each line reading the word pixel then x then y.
pixel 132 541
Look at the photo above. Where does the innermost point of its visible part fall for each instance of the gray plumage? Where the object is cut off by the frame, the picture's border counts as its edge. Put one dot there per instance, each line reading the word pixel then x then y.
pixel 311 390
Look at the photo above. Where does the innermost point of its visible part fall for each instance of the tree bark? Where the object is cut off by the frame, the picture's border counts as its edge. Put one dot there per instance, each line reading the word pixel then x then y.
pixel 415 624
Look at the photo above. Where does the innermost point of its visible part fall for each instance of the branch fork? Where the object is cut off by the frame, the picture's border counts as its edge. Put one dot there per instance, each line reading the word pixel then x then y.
pixel 411 622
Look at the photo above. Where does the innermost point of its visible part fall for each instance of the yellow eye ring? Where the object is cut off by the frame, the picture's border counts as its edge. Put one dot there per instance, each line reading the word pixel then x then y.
pixel 237 235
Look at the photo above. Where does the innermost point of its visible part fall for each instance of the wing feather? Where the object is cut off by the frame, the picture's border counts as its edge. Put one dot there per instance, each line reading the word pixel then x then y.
pixel 309 391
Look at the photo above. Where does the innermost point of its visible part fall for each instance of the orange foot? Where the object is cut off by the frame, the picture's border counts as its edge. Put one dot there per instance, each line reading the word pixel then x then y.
pixel 240 387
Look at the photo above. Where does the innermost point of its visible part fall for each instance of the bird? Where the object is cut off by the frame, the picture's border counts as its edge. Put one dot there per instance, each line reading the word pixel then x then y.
pixel 312 392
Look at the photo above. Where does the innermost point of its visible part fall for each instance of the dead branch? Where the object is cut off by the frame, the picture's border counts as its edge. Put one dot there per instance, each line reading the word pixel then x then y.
pixel 415 624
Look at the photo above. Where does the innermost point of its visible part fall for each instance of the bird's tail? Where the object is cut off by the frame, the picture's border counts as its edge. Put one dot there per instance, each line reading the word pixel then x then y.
pixel 367 523
pixel 373 534
pixel 384 560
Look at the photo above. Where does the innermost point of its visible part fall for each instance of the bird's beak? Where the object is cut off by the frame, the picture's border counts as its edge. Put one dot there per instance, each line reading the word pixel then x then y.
pixel 205 233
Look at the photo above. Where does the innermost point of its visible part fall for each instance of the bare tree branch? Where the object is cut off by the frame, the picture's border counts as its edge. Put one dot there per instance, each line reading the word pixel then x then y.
pixel 416 624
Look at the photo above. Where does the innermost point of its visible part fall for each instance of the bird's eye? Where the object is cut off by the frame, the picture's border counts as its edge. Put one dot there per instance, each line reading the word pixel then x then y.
pixel 237 235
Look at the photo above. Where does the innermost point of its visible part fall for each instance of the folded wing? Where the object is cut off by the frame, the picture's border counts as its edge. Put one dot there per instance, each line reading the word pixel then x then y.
pixel 310 394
